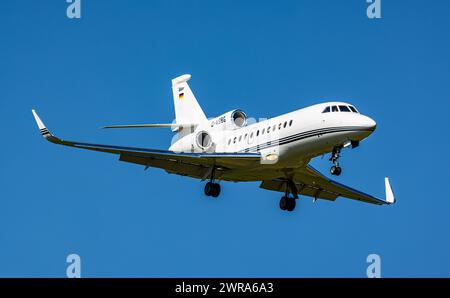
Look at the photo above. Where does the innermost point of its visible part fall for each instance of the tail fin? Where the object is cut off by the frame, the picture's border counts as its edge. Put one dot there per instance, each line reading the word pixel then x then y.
pixel 187 109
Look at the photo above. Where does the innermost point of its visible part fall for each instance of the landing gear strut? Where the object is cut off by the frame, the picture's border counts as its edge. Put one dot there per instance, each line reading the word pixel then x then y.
pixel 212 189
pixel 287 202
pixel 335 169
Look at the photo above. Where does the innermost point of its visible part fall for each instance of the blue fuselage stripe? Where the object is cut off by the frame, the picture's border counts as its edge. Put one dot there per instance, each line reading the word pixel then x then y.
pixel 303 135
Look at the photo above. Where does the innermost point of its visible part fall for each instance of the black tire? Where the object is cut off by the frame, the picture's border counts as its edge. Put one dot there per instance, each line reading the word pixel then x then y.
pixel 291 204
pixel 284 203
pixel 339 171
pixel 209 189
pixel 333 170
pixel 215 190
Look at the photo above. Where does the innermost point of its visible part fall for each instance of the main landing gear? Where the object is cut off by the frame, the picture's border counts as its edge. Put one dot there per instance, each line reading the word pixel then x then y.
pixel 212 189
pixel 287 202
pixel 335 169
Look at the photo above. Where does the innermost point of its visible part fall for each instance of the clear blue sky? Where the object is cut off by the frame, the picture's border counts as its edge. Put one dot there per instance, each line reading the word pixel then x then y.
pixel 266 57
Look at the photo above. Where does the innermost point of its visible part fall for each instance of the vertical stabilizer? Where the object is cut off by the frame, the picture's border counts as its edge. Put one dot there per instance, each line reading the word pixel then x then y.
pixel 187 109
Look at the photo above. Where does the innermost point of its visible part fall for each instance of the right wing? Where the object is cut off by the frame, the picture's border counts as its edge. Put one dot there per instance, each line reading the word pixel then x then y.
pixel 312 183
pixel 184 163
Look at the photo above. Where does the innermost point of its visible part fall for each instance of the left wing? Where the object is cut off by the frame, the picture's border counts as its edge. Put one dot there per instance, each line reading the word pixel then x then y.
pixel 312 183
pixel 190 164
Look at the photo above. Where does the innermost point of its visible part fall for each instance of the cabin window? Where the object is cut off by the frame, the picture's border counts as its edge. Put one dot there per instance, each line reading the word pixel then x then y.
pixel 245 137
pixel 251 135
pixel 334 109
pixel 344 109
pixel 229 142
pixel 290 123
pixel 279 126
pixel 234 141
pixel 268 129
pixel 240 138
pixel 274 127
pixel 285 124
pixel 327 110
pixel 262 132
pixel 257 133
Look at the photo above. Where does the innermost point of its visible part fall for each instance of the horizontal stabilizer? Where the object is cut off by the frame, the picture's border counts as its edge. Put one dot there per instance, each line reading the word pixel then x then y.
pixel 173 126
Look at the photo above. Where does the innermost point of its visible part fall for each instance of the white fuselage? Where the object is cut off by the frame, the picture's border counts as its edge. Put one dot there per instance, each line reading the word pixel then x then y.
pixel 291 138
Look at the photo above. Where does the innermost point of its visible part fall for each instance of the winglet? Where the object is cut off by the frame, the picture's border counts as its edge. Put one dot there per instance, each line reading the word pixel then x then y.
pixel 390 198
pixel 44 131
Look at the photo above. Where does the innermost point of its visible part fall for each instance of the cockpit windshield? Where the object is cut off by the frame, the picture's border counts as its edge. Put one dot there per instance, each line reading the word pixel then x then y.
pixel 353 109
pixel 340 108
pixel 344 109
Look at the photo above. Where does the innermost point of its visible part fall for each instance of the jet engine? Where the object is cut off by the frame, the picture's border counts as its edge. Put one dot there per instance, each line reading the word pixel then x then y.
pixel 229 121
pixel 203 140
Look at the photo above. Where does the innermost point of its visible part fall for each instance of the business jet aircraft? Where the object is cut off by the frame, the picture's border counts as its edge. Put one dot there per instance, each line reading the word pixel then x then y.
pixel 276 151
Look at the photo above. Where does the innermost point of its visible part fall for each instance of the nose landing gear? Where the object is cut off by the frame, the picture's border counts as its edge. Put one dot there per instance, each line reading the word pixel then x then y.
pixel 335 169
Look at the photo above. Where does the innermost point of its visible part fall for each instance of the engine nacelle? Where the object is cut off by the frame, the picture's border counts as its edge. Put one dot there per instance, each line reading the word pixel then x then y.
pixel 200 141
pixel 229 121
pixel 203 140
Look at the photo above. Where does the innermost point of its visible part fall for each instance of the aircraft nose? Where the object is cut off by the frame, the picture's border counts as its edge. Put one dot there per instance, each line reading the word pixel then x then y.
pixel 370 123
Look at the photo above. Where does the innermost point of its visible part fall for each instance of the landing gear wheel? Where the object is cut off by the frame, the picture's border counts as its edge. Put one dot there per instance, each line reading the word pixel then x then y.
pixel 287 203
pixel 212 189
pixel 335 170
pixel 284 203
pixel 291 204
pixel 215 190
pixel 209 188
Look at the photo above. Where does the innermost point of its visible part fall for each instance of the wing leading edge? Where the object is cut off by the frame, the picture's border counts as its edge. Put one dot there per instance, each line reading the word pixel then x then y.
pixel 312 183
pixel 176 162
